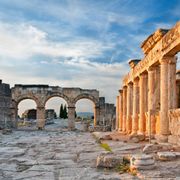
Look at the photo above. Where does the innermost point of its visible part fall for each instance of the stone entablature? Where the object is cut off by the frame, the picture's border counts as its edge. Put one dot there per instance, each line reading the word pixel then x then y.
pixel 41 93
pixel 151 88
pixel 152 40
pixel 168 45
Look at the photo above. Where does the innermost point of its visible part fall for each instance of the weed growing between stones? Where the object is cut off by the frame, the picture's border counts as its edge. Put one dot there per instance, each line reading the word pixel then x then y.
pixel 125 168
pixel 106 147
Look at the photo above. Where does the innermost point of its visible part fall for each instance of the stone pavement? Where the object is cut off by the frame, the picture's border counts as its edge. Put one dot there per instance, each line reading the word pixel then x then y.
pixel 53 154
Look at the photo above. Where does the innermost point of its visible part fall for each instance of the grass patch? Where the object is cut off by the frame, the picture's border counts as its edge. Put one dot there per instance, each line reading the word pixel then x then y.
pixel 125 168
pixel 106 147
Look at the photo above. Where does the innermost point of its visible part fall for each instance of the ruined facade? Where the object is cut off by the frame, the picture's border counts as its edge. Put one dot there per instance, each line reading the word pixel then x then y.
pixel 148 100
pixel 5 105
pixel 42 93
pixel 107 113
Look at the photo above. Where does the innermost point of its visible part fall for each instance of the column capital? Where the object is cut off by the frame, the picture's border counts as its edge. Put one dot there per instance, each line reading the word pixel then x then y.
pixel 151 69
pixel 143 75
pixel 130 84
pixel 120 91
pixel 40 107
pixel 124 87
pixel 168 59
pixel 136 82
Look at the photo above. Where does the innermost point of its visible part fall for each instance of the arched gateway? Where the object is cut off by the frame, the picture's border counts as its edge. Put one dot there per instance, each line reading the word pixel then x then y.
pixel 42 93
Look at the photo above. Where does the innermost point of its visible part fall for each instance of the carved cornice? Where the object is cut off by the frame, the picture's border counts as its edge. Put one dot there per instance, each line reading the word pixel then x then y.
pixel 151 41
pixel 170 42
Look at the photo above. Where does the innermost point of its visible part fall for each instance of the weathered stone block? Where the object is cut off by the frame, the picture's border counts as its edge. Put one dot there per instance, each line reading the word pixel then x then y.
pixel 142 162
pixel 166 156
pixel 108 160
pixel 150 148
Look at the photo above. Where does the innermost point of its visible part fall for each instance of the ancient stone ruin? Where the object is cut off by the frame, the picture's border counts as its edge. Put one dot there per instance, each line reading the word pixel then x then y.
pixel 149 99
pixel 5 105
pixel 103 112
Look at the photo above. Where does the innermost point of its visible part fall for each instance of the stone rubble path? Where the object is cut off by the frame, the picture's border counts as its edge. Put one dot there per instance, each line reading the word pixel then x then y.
pixel 52 155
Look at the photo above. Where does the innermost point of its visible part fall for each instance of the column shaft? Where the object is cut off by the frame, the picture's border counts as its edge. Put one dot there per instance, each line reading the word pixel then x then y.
pixel 172 96
pixel 120 109
pixel 124 108
pixel 40 117
pixel 129 107
pixel 151 101
pixel 135 106
pixel 117 113
pixel 168 92
pixel 96 115
pixel 142 103
pixel 71 117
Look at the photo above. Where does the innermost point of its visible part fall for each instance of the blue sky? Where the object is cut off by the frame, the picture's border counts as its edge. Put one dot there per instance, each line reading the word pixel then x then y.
pixel 77 43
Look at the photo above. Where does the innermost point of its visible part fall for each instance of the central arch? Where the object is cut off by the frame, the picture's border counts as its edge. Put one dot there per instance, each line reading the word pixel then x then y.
pixel 95 101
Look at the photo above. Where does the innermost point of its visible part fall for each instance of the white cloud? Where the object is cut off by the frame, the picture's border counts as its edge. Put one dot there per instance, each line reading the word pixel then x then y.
pixel 23 41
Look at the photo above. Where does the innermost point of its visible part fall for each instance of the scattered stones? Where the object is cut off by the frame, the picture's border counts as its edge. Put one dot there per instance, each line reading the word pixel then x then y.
pixel 108 160
pixel 142 162
pixel 6 131
pixel 152 148
pixel 166 156
pixel 136 138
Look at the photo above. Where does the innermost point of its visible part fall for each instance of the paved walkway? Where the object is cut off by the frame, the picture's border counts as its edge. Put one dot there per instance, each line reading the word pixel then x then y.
pixel 52 154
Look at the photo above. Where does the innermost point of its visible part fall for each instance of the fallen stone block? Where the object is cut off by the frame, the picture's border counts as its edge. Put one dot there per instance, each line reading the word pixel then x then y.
pixel 6 131
pixel 166 156
pixel 108 160
pixel 136 138
pixel 152 148
pixel 142 162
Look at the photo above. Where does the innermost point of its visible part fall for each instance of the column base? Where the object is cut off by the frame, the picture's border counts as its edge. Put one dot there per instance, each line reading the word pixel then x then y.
pixel 161 138
pixel 134 133
pixel 71 125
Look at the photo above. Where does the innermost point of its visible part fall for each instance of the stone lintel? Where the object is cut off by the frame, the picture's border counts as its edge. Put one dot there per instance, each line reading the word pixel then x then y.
pixel 151 41
pixel 133 62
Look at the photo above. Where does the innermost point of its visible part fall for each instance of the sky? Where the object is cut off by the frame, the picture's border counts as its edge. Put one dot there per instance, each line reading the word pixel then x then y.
pixel 77 43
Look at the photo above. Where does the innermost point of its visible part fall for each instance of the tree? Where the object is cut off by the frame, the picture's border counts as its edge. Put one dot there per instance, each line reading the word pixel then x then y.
pixel 65 112
pixel 61 114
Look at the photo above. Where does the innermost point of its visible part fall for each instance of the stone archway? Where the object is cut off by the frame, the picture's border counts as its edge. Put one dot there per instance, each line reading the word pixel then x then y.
pixel 42 93
pixel 16 103
pixel 96 105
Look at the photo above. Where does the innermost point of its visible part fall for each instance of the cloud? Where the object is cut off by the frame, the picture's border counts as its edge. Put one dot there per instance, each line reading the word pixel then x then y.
pixel 24 41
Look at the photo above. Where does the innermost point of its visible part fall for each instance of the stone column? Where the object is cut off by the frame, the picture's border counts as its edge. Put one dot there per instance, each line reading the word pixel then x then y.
pixel 117 113
pixel 124 108
pixel 71 117
pixel 167 93
pixel 129 108
pixel 96 115
pixel 164 120
pixel 142 103
pixel 157 88
pixel 14 114
pixel 120 109
pixel 151 101
pixel 40 117
pixel 172 96
pixel 135 106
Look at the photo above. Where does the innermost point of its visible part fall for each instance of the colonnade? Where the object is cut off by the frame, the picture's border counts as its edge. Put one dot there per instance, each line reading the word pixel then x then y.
pixel 143 103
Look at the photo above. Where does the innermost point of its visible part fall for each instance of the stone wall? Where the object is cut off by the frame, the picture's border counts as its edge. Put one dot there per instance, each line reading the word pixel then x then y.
pixel 5 102
pixel 174 126
pixel 107 113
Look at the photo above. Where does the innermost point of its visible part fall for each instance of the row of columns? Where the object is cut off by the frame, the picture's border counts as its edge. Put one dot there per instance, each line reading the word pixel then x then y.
pixel 154 91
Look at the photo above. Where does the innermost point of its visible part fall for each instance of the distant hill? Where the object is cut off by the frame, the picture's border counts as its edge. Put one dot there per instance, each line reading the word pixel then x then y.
pixel 85 114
